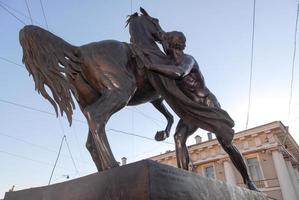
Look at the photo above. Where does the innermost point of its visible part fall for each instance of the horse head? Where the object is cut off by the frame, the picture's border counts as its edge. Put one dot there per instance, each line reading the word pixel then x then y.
pixel 144 29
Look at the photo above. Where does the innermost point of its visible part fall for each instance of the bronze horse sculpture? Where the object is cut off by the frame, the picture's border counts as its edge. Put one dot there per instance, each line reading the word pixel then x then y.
pixel 108 75
pixel 103 77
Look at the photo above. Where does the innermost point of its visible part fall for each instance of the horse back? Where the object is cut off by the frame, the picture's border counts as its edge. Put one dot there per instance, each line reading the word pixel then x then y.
pixel 105 64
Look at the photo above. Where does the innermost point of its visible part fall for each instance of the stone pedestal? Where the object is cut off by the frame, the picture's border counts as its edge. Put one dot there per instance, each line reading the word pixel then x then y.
pixel 144 180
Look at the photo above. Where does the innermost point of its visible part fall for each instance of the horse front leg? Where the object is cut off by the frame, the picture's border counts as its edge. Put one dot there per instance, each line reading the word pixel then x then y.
pixel 162 135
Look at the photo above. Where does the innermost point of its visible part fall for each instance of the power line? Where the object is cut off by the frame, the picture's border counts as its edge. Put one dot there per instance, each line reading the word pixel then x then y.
pixel 29 11
pixel 37 146
pixel 49 113
pixel 30 159
pixel 136 135
pixel 12 62
pixel 293 63
pixel 251 64
pixel 73 161
pixel 17 18
pixel 26 107
pixel 19 12
pixel 155 121
pixel 26 142
pixel 41 4
pixel 69 150
pixel 59 151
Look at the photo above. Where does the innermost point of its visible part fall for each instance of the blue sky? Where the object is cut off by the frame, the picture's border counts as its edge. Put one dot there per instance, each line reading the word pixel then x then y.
pixel 218 36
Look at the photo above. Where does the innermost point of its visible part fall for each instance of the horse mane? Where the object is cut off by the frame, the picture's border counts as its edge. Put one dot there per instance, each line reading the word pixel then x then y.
pixel 51 61
pixel 130 18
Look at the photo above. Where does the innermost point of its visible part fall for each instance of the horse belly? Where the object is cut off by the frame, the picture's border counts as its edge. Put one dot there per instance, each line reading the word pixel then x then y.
pixel 143 95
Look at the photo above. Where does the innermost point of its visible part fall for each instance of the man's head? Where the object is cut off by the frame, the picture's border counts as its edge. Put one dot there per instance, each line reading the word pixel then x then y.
pixel 174 43
pixel 175 40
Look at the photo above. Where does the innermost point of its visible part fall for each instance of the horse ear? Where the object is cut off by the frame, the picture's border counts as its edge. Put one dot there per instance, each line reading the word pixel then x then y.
pixel 144 12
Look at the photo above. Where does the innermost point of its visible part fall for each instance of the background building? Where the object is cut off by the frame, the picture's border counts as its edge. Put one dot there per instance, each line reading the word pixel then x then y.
pixel 271 154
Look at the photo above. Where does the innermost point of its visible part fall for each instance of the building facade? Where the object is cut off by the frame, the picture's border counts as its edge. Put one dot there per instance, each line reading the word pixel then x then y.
pixel 270 152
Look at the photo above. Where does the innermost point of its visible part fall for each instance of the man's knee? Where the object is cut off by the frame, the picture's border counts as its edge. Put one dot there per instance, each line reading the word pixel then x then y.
pixel 225 134
pixel 179 137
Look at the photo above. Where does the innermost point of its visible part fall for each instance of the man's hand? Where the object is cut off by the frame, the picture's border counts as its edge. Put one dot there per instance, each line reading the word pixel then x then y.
pixel 146 62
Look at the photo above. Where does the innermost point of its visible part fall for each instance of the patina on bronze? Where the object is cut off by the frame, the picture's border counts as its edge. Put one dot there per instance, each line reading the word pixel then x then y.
pixel 102 76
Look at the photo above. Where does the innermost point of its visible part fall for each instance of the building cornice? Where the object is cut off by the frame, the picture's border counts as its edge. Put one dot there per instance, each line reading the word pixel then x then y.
pixel 269 128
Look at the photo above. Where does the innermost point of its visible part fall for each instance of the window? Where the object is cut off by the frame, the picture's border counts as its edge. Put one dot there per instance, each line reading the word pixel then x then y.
pixel 254 169
pixel 209 172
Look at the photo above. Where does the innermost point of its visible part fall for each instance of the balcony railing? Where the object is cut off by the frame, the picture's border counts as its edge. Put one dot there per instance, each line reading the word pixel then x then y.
pixel 266 183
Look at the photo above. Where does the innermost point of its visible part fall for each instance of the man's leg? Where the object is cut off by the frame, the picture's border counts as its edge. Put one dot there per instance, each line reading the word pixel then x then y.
pixel 182 132
pixel 236 158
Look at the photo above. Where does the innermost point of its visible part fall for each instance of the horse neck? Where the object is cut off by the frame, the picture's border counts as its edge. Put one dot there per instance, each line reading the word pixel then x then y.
pixel 143 42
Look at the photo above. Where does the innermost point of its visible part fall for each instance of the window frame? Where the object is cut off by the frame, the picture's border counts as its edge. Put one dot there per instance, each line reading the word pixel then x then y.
pixel 203 167
pixel 256 155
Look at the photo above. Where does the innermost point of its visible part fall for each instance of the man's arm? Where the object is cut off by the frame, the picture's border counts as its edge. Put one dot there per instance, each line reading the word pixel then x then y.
pixel 174 71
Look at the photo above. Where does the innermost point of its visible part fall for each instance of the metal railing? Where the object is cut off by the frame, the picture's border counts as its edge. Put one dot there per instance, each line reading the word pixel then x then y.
pixel 265 183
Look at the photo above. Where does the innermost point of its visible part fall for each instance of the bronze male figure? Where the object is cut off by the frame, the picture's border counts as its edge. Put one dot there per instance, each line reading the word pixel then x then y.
pixel 184 89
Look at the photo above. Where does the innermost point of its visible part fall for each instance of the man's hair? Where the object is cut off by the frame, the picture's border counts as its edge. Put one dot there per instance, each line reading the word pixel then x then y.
pixel 176 39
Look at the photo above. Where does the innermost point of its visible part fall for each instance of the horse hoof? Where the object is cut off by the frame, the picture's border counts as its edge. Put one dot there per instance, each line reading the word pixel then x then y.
pixel 161 135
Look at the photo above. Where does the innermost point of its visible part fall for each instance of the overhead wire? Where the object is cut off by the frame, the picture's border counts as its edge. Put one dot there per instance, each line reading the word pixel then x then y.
pixel 17 18
pixel 12 62
pixel 42 147
pixel 30 159
pixel 68 147
pixel 19 12
pixel 29 11
pixel 136 135
pixel 43 10
pixel 26 107
pixel 293 64
pixel 72 158
pixel 27 142
pixel 59 151
pixel 155 121
pixel 251 63
pixel 77 120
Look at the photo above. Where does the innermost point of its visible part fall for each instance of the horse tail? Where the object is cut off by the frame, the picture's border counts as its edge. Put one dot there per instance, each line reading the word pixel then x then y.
pixel 51 61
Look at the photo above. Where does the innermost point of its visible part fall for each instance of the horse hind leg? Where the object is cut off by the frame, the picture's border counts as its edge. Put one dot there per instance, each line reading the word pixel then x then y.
pixel 97 115
pixel 90 145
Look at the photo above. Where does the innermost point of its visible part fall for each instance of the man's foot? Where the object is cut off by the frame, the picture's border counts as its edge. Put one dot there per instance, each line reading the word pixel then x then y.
pixel 251 186
pixel 161 135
